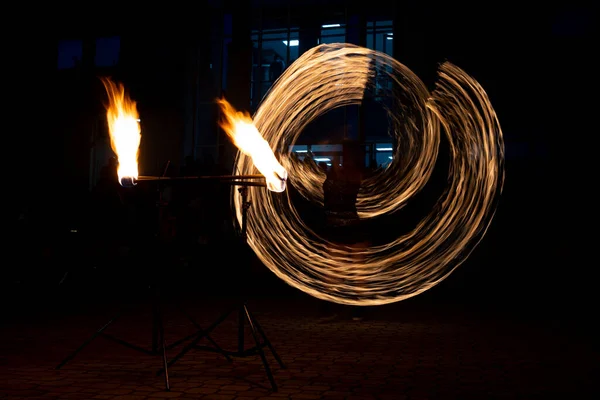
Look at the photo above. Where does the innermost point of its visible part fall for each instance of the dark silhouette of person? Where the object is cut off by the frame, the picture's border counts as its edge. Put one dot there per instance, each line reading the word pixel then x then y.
pixel 323 165
pixel 276 68
pixel 342 225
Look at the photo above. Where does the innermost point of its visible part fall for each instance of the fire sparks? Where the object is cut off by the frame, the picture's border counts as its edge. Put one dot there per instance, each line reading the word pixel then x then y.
pixel 124 128
pixel 239 127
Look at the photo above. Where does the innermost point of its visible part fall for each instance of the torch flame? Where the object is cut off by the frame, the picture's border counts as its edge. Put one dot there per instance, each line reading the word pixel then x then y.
pixel 124 128
pixel 239 127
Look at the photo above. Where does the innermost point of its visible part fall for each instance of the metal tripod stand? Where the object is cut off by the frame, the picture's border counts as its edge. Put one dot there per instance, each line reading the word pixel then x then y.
pixel 158 337
pixel 158 345
pixel 243 316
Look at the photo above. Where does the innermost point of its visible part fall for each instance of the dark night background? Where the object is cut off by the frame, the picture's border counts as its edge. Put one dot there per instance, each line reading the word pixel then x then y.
pixel 535 64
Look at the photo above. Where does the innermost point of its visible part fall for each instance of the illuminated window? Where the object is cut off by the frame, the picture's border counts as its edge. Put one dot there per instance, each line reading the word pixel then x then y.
pixel 274 51
pixel 384 154
pixel 333 33
pixel 380 36
pixel 299 148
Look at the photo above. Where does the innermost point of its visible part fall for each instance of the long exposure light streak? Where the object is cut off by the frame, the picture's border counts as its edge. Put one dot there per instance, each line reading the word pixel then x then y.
pixel 335 75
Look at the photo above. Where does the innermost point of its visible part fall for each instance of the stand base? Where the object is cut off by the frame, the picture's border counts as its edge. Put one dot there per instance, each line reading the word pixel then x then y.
pixel 260 340
pixel 159 346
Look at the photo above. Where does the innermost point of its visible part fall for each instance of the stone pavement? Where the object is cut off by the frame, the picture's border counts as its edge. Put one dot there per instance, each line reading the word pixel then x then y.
pixel 407 350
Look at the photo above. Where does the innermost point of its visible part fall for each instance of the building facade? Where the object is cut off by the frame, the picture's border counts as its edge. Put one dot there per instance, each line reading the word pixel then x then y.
pixel 231 49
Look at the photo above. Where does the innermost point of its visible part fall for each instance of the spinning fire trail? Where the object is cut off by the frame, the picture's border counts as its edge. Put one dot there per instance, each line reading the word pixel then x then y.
pixel 335 75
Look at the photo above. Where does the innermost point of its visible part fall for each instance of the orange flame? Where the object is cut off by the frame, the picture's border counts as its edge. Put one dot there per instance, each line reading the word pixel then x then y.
pixel 239 127
pixel 124 128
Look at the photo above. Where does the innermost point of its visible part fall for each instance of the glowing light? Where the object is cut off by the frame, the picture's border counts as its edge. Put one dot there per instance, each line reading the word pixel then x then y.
pixel 293 42
pixel 333 75
pixel 124 128
pixel 239 127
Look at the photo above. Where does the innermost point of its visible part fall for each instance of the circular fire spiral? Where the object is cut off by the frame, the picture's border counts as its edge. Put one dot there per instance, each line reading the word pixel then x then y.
pixel 335 75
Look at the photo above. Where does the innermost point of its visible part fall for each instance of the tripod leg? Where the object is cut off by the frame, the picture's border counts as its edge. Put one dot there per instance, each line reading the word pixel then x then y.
pixel 260 350
pixel 199 336
pixel 63 279
pixel 265 339
pixel 161 337
pixel 200 329
pixel 88 341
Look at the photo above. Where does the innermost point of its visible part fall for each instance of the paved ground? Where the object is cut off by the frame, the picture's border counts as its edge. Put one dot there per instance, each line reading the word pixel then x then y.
pixel 410 350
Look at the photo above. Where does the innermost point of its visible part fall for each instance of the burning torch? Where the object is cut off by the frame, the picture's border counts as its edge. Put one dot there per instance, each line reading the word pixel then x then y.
pixel 125 136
